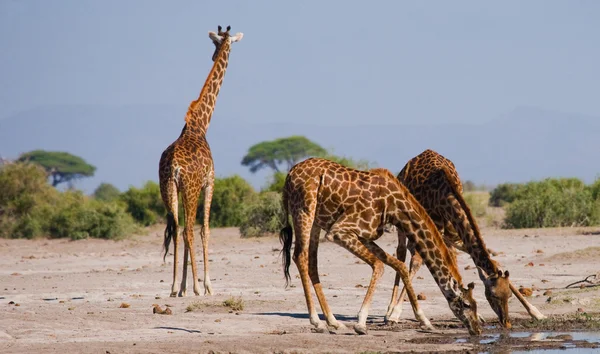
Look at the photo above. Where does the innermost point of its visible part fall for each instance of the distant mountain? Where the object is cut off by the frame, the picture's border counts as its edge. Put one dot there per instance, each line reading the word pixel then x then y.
pixel 125 142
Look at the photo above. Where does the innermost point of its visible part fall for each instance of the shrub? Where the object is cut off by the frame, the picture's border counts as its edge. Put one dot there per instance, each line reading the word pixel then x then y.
pixel 595 189
pixel 230 196
pixel 24 201
pixel 551 203
pixel 504 194
pixel 276 182
pixel 263 216
pixel 477 202
pixel 78 217
pixel 107 192
pixel 145 205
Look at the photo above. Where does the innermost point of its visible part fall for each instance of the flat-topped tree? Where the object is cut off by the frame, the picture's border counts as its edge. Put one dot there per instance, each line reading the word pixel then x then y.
pixel 61 167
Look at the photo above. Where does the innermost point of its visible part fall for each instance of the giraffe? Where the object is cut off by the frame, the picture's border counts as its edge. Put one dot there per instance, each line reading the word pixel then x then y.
pixel 434 182
pixel 186 168
pixel 353 206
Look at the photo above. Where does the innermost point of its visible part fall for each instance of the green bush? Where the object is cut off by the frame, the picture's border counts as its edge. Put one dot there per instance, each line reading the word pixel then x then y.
pixel 504 194
pixel 230 196
pixel 145 204
pixel 477 202
pixel 107 192
pixel 78 217
pixel 552 202
pixel 595 189
pixel 263 216
pixel 30 207
pixel 276 183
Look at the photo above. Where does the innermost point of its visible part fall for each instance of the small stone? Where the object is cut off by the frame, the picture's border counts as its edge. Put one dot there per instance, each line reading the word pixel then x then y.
pixel 256 257
pixel 525 291
pixel 218 320
pixel 162 281
pixel 419 277
pixel 124 305
pixel 580 309
pixel 530 264
pixel 157 297
pixel 421 296
pixel 358 286
pixel 545 281
pixel 547 293
pixel 539 251
pixel 541 265
pixel 468 267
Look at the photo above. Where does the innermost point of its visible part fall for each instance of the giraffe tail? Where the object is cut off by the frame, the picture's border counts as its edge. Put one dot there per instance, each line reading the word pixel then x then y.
pixel 286 236
pixel 170 231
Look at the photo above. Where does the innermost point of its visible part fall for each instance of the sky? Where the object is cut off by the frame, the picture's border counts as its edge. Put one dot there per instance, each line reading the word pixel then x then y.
pixel 323 62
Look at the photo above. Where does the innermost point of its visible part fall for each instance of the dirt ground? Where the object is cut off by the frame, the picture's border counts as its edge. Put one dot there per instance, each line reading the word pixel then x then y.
pixel 72 296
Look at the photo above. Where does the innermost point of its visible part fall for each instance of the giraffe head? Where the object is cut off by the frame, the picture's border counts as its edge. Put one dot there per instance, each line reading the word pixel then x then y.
pixel 497 292
pixel 464 307
pixel 221 39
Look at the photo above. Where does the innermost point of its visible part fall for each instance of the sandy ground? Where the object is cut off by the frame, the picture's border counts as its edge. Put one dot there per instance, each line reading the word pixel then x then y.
pixel 66 295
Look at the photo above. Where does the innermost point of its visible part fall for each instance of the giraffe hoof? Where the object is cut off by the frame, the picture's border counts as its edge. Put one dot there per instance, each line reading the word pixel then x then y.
pixel 338 326
pixel 360 329
pixel 391 321
pixel 181 294
pixel 321 329
pixel 173 294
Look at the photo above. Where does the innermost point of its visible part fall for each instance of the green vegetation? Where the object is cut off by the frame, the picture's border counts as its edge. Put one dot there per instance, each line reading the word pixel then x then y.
pixel 231 195
pixel 552 202
pixel 107 192
pixel 264 216
pixel 60 166
pixel 504 194
pixel 145 204
pixel 477 202
pixel 30 207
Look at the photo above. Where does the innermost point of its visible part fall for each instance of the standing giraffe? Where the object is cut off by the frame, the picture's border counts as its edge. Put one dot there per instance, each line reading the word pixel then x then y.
pixel 186 167
pixel 353 206
pixel 434 182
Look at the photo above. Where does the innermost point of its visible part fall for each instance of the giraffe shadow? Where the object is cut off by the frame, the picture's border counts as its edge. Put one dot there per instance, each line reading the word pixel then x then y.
pixel 306 316
pixel 179 329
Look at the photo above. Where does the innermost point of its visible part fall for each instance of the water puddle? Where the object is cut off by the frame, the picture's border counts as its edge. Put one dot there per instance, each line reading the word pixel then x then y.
pixel 540 342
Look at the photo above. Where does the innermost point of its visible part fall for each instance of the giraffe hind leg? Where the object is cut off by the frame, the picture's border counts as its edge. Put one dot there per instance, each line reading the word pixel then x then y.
pixel 190 204
pixel 205 234
pixel 303 221
pixel 168 191
pixel 313 272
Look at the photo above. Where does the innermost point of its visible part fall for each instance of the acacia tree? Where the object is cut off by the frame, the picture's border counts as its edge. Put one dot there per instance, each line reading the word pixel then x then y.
pixel 280 151
pixel 60 166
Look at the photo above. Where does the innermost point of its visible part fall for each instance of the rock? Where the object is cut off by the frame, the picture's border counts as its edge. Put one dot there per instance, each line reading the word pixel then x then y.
pixel 525 291
pixel 580 309
pixel 467 267
pixel 539 251
pixel 156 309
pixel 530 264
pixel 421 296
pixel 547 293
pixel 124 305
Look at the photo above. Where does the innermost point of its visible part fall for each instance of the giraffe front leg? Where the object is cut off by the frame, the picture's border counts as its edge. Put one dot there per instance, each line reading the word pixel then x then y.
pixel 400 267
pixel 415 263
pixel 352 243
pixel 532 310
pixel 401 255
pixel 175 285
pixel 208 193
pixel 183 288
pixel 313 272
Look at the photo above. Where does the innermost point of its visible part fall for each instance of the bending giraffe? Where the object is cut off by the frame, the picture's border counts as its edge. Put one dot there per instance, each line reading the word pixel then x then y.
pixel 186 168
pixel 353 207
pixel 434 182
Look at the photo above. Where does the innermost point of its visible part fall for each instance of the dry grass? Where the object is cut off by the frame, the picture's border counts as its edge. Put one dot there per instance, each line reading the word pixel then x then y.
pixel 234 303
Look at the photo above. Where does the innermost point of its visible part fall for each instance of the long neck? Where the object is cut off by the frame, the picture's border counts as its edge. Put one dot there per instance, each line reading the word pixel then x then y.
pixel 200 111
pixel 467 229
pixel 428 243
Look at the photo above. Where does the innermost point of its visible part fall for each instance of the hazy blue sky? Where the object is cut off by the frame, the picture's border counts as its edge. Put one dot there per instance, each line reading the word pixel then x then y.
pixel 315 61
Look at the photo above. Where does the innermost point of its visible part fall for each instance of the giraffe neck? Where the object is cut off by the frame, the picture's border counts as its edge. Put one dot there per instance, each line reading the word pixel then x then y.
pixel 470 235
pixel 430 245
pixel 201 110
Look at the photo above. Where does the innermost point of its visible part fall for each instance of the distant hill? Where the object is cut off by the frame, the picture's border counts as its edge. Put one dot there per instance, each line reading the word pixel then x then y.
pixel 125 142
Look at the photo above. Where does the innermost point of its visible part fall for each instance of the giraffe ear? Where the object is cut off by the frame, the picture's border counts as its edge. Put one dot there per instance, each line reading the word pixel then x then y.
pixel 236 37
pixel 215 37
